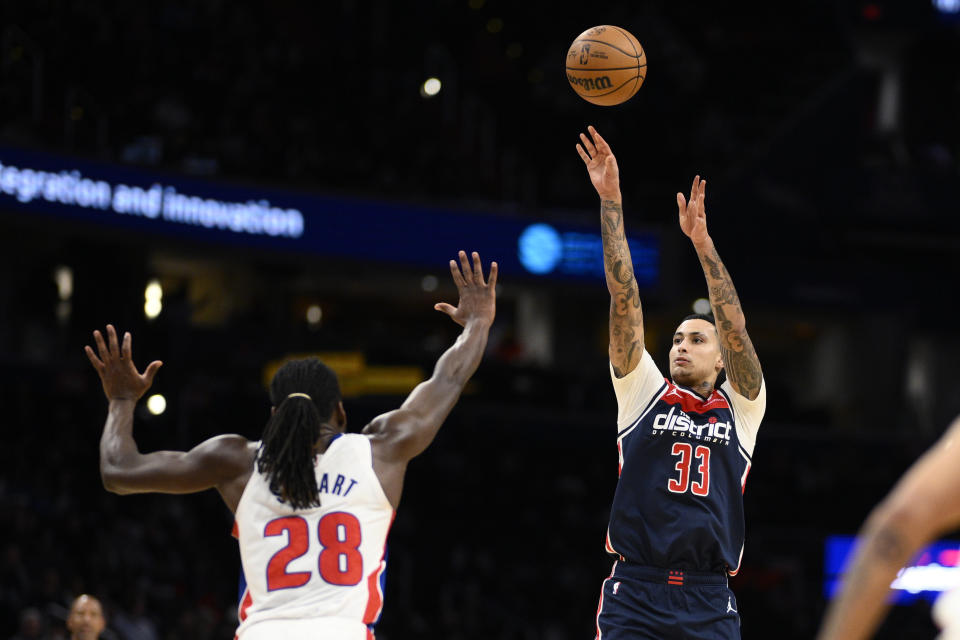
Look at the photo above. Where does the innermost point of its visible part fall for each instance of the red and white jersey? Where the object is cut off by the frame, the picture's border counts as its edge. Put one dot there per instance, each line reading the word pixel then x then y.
pixel 320 568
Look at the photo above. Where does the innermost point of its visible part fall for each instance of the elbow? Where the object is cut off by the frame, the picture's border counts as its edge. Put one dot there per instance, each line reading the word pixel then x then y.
pixel 734 321
pixel 897 527
pixel 112 480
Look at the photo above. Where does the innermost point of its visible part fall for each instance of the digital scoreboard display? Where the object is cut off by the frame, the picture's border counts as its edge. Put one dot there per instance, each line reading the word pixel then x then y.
pixel 932 571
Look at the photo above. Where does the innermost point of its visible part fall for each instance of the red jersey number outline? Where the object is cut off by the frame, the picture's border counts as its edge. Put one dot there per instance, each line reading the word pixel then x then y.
pixel 339 535
pixel 687 453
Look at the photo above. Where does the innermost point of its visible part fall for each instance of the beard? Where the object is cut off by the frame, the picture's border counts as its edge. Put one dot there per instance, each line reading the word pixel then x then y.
pixel 690 377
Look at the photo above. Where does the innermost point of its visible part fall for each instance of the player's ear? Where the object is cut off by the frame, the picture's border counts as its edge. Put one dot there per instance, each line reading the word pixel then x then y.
pixel 340 416
pixel 718 366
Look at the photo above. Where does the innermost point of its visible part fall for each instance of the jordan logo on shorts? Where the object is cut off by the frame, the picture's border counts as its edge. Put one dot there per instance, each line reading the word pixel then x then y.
pixel 616 587
pixel 730 606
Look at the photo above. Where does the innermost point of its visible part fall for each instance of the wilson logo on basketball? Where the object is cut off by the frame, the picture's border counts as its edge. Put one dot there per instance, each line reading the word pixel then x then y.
pixel 590 84
pixel 609 64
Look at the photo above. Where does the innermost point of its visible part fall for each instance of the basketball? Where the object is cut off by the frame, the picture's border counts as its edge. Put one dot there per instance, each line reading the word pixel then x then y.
pixel 606 65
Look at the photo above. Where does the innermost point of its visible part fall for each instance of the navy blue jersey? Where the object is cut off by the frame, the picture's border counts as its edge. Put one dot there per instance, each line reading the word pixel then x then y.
pixel 684 462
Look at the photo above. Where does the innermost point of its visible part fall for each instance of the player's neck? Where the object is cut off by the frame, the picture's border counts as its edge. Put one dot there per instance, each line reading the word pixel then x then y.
pixel 702 389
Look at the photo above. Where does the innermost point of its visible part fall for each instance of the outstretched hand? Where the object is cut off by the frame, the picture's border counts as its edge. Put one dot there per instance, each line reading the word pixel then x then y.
pixel 693 214
pixel 478 299
pixel 601 165
pixel 120 378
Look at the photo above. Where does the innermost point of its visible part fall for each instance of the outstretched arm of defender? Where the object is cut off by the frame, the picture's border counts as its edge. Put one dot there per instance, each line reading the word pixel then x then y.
pixel 924 504
pixel 626 314
pixel 400 435
pixel 123 468
pixel 739 357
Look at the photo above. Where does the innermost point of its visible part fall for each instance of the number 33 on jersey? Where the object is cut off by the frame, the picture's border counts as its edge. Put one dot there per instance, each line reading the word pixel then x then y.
pixel 684 462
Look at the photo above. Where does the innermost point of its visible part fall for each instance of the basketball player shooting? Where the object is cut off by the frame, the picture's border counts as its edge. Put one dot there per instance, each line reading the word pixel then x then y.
pixel 313 505
pixel 924 504
pixel 676 525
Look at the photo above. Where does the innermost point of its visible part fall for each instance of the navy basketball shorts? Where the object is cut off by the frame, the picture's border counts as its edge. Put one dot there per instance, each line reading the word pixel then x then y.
pixel 646 603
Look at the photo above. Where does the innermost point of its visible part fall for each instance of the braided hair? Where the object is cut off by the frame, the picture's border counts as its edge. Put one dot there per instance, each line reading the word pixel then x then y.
pixel 287 454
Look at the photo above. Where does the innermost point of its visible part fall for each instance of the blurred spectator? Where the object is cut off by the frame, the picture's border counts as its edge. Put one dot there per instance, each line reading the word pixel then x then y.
pixel 31 626
pixel 86 621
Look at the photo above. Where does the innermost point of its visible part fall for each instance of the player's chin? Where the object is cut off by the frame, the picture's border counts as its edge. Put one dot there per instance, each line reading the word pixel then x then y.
pixel 681 376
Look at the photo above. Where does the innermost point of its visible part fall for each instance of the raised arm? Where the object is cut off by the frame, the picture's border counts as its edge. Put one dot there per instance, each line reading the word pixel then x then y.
pixel 223 462
pixel 626 314
pixel 399 435
pixel 924 504
pixel 739 357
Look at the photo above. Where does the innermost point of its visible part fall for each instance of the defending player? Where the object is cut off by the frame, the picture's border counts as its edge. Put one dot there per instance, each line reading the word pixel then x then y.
pixel 924 504
pixel 676 524
pixel 313 505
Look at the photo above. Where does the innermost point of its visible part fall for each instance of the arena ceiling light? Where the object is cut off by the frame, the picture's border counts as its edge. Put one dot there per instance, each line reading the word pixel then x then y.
pixel 951 7
pixel 156 404
pixel 153 299
pixel 430 87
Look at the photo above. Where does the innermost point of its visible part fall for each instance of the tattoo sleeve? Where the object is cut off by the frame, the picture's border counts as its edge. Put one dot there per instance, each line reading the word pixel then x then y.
pixel 739 357
pixel 626 314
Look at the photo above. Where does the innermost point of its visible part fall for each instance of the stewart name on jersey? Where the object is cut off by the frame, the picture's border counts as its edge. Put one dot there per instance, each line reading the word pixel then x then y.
pixel 684 462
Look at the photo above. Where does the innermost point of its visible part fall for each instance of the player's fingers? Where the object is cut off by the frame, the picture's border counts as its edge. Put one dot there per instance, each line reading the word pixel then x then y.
pixel 127 347
pixel 599 141
pixel 703 189
pixel 92 357
pixel 477 269
pixel 151 371
pixel 455 272
pixel 681 203
pixel 465 267
pixel 583 154
pixel 101 345
pixel 588 145
pixel 492 280
pixel 611 164
pixel 112 341
pixel 448 309
pixel 693 188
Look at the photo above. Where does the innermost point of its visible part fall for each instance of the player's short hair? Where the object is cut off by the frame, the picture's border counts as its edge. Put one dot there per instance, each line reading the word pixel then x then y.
pixel 709 318
pixel 287 450
pixel 701 316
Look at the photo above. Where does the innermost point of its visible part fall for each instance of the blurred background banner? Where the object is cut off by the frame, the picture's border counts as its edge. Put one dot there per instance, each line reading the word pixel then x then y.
pixel 383 232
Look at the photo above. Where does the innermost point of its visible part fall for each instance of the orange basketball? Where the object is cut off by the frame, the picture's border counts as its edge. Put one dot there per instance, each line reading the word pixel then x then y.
pixel 606 65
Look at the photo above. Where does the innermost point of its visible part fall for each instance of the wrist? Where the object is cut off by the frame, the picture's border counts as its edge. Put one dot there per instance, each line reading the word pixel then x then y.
pixel 478 324
pixel 614 197
pixel 705 244
pixel 121 402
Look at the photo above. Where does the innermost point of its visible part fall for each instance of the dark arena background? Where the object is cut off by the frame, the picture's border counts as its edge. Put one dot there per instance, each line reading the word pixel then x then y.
pixel 829 133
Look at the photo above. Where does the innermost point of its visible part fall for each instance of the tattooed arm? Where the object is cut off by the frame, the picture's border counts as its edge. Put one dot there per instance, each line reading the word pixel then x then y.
pixel 739 357
pixel 626 315
pixel 924 504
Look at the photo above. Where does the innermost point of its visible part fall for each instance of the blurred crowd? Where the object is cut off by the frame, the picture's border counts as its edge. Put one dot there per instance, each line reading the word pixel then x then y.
pixel 327 96
pixel 500 533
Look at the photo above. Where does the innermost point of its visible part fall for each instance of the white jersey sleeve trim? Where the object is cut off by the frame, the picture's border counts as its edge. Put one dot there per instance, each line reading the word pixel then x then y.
pixel 747 414
pixel 635 390
pixel 246 488
pixel 367 459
